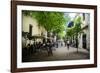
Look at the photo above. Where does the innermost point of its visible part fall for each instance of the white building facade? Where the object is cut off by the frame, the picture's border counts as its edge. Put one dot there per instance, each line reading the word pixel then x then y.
pixel 30 25
pixel 84 38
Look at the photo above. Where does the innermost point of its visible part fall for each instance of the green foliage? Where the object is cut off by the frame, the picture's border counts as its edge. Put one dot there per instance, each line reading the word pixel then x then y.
pixel 76 29
pixel 62 34
pixel 51 21
pixel 78 22
pixel 56 22
pixel 70 32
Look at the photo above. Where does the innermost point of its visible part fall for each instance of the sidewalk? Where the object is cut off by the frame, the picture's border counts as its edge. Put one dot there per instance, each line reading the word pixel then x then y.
pixel 73 49
pixel 61 53
pixel 64 54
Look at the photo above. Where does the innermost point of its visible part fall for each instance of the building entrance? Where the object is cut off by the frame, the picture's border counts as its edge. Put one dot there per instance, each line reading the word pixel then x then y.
pixel 84 41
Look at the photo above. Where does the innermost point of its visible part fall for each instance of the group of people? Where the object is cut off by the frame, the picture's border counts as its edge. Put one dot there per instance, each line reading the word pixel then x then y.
pixel 37 47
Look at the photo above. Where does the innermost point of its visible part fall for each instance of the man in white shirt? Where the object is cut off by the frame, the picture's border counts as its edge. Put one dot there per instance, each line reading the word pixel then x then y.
pixel 68 44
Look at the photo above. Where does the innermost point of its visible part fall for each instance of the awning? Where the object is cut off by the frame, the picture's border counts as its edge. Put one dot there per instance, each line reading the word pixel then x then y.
pixel 37 37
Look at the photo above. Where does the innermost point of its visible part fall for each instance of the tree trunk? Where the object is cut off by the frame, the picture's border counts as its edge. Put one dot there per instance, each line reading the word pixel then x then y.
pixel 77 42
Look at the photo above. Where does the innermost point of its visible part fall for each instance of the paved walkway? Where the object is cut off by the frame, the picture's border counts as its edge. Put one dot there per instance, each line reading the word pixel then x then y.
pixel 61 53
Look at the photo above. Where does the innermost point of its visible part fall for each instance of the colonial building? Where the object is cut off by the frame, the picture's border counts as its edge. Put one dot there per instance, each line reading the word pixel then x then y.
pixel 84 38
pixel 30 28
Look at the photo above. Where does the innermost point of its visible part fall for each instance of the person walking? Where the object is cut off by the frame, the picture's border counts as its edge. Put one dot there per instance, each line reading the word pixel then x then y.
pixel 68 44
pixel 49 44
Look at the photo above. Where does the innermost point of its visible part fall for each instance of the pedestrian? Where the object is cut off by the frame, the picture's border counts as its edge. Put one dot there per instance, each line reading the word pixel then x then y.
pixel 68 44
pixel 28 49
pixel 49 44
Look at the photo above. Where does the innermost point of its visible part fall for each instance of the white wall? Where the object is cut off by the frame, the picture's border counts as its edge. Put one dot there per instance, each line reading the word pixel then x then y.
pixel 27 20
pixel 5 37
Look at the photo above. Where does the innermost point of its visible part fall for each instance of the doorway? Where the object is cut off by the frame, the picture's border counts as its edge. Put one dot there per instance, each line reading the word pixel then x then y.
pixel 84 41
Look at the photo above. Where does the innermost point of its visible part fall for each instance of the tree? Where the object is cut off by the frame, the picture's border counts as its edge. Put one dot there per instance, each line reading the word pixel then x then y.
pixel 51 21
pixel 76 30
